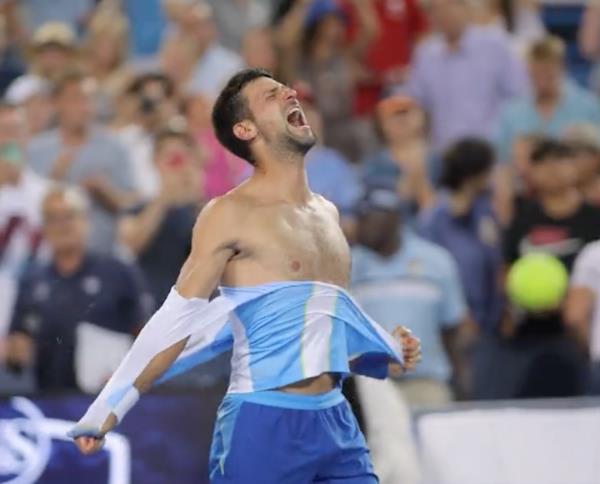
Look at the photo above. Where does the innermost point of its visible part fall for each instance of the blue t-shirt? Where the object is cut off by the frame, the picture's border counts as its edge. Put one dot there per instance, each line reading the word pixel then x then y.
pixel 474 242
pixel 417 287
pixel 104 291
pixel 101 155
pixel 331 175
pixel 520 117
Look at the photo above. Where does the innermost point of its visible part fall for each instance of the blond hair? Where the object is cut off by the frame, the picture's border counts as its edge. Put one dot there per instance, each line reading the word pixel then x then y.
pixel 548 49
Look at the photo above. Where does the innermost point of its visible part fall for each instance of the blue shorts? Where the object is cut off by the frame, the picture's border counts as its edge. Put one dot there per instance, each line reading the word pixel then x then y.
pixel 281 438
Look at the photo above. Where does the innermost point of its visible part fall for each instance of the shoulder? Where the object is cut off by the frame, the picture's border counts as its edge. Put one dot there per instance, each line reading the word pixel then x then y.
pixel 490 38
pixel 225 212
pixel 515 107
pixel 43 140
pixel 590 211
pixel 326 205
pixel 433 214
pixel 591 252
pixel 110 264
pixel 33 273
pixel 440 260
pixel 101 137
pixel 429 47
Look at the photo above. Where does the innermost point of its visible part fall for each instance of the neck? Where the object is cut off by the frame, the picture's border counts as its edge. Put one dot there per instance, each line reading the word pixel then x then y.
pixel 67 261
pixel 561 204
pixel 399 145
pixel 284 177
pixel 390 247
pixel 453 38
pixel 73 134
pixel 460 201
pixel 550 97
pixel 322 52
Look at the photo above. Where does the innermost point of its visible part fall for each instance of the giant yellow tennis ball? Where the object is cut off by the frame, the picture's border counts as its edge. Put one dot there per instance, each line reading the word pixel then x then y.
pixel 537 282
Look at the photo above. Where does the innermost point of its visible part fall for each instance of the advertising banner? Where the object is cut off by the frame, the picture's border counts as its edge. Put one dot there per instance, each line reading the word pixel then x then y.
pixel 164 439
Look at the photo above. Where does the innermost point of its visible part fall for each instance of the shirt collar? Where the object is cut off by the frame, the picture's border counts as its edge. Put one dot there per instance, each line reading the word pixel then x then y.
pixel 466 41
pixel 83 268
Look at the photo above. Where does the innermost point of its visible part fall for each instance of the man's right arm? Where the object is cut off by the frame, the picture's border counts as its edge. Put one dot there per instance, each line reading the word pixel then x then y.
pixel 213 243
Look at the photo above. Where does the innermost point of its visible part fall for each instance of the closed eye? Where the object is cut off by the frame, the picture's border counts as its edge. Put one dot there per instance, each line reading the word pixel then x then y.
pixel 271 94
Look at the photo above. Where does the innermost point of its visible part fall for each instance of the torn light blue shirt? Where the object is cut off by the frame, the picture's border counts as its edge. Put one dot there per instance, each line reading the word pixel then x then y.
pixel 280 333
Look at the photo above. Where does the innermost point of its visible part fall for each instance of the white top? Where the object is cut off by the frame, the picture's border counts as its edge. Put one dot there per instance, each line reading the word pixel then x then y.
pixel 586 273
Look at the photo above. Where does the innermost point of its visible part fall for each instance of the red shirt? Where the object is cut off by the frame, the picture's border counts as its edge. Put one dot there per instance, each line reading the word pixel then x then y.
pixel 400 23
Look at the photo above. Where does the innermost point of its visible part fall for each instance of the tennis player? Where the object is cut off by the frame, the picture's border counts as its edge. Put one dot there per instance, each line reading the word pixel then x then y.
pixel 277 253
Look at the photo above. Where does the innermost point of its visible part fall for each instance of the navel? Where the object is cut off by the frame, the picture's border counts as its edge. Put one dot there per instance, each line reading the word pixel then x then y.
pixel 296 265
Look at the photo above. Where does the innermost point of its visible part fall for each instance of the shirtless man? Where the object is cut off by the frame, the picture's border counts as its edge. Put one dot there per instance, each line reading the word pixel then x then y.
pixel 271 228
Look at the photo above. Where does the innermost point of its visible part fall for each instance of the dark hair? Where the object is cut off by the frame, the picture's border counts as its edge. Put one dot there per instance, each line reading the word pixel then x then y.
pixel 69 77
pixel 168 133
pixel 548 148
pixel 465 159
pixel 231 107
pixel 137 85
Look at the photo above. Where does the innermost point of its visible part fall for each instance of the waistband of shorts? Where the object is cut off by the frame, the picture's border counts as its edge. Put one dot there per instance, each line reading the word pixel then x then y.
pixel 275 398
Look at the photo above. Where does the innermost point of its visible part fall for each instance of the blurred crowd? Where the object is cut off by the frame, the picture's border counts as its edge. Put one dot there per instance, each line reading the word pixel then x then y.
pixel 452 138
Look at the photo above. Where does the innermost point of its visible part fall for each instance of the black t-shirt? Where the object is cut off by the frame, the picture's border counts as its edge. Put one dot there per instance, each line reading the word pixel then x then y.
pixel 533 229
pixel 162 258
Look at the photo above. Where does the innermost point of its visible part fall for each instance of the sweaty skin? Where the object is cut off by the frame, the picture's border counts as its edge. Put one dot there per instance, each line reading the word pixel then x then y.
pixel 270 228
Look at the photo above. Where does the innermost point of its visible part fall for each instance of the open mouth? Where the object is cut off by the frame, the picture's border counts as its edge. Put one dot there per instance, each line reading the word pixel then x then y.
pixel 295 118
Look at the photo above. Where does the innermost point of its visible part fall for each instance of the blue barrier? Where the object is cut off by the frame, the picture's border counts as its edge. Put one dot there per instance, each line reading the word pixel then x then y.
pixel 165 439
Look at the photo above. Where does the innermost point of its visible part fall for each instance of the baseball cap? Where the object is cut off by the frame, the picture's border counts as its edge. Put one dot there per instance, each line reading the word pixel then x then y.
pixel 25 87
pixel 54 33
pixel 381 200
pixel 320 8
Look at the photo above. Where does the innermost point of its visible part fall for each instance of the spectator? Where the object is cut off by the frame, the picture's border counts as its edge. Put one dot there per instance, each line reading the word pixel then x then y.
pixel 21 192
pixel 76 286
pixel 31 94
pixel 328 172
pixel 214 63
pixel 539 359
pixel 105 52
pixel 312 42
pixel 401 163
pixel 159 231
pixel 463 222
pixel 177 60
pixel 397 274
pixel 462 75
pixel 235 19
pixel 258 49
pixel 400 25
pixel 554 104
pixel 53 51
pixel 582 308
pixel 222 170
pixel 584 139
pixel 12 63
pixel 520 19
pixel 589 39
pixel 151 98
pixel 557 220
pixel 81 153
pixel 147 21
pixel 72 13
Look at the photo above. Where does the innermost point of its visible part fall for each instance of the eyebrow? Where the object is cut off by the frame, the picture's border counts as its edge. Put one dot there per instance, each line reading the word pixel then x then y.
pixel 271 91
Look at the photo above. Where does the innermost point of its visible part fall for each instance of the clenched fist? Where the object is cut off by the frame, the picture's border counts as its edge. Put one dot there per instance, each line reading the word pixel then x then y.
pixel 411 351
